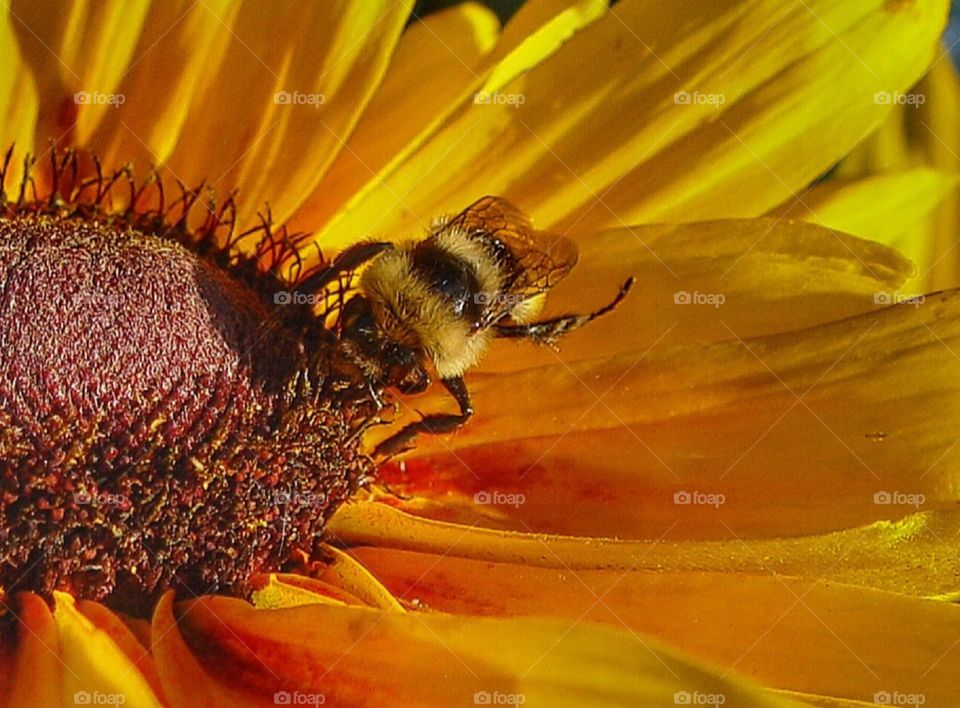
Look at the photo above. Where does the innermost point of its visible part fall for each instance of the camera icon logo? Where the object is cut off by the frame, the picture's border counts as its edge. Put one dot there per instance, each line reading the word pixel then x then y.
pixel 282 298
pixel 482 498
pixel 682 498
pixel 282 698
pixel 683 98
pixel 81 698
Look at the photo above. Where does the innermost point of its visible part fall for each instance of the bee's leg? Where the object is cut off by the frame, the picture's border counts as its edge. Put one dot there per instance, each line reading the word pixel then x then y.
pixel 549 331
pixel 350 259
pixel 432 424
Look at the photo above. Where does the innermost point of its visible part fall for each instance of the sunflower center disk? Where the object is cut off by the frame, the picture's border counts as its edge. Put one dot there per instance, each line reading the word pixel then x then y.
pixel 158 428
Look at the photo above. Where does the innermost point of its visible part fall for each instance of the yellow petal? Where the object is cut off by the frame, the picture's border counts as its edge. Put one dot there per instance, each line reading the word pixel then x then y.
pixel 886 207
pixel 798 431
pixel 535 33
pixel 939 125
pixel 18 103
pixel 434 64
pixel 773 275
pixel 924 132
pixel 538 30
pixel 96 669
pixel 292 591
pixel 180 49
pixel 73 47
pixel 340 580
pixel 600 117
pixel 264 106
pixel 806 635
pixel 343 570
pixel 352 655
pixel 823 701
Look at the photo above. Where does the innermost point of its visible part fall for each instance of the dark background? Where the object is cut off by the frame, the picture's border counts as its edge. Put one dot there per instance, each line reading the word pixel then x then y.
pixel 503 8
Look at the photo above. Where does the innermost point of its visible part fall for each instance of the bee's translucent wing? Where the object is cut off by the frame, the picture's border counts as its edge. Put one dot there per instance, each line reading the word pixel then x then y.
pixel 535 261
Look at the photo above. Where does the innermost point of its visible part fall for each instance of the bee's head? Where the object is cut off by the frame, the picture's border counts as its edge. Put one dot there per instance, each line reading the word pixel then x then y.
pixel 384 358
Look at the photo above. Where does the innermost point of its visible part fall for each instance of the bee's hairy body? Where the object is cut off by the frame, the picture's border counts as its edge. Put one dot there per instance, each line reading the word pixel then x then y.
pixel 428 310
pixel 431 294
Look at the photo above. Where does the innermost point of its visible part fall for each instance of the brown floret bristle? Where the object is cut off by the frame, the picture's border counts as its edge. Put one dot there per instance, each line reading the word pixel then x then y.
pixel 162 422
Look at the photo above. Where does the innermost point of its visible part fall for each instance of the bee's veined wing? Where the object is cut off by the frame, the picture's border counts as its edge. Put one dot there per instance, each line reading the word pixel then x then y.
pixel 540 259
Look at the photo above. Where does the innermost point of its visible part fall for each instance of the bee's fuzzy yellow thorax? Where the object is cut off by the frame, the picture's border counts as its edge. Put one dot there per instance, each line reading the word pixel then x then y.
pixel 412 312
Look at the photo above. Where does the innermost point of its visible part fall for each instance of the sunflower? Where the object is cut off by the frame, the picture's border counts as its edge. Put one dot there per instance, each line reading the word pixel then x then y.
pixel 739 489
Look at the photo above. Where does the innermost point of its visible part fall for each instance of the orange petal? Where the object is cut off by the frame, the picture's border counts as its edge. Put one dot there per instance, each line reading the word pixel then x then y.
pixel 36 669
pixel 915 556
pixel 339 580
pixel 136 652
pixel 806 635
pixel 798 431
pixel 351 655
pixel 97 669
pixel 186 683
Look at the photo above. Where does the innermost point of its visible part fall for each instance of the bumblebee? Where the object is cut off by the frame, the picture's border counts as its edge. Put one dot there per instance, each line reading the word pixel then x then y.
pixel 428 310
